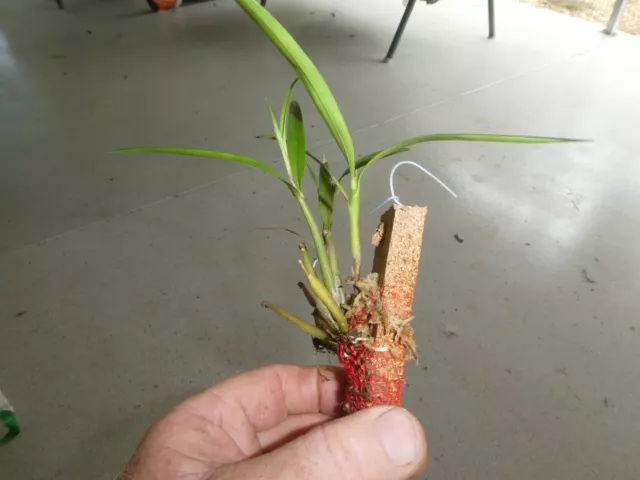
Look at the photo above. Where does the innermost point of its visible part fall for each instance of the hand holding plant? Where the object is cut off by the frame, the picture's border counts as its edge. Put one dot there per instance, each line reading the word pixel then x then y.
pixel 279 423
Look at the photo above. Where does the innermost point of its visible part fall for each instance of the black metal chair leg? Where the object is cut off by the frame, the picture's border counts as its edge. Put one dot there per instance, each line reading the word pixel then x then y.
pixel 400 30
pixel 60 4
pixel 492 20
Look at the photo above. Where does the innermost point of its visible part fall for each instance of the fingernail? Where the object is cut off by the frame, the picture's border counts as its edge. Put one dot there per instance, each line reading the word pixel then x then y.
pixel 399 436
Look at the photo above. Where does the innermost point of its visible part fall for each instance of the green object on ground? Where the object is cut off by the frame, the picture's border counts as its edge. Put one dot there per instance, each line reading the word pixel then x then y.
pixel 9 420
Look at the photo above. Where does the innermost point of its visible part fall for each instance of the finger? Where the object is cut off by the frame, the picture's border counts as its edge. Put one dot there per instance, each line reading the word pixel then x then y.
pixel 234 411
pixel 291 428
pixel 269 395
pixel 381 443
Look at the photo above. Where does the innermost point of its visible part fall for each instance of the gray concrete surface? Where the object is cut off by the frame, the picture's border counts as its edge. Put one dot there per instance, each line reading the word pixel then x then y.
pixel 128 283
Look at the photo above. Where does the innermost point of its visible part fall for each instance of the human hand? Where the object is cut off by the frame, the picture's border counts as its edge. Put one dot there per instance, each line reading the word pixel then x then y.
pixel 279 422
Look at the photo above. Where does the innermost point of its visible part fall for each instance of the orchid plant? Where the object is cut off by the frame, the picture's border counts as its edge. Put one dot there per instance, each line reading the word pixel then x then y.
pixel 330 295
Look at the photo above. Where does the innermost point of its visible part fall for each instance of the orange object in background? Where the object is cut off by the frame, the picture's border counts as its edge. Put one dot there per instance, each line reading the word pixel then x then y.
pixel 157 5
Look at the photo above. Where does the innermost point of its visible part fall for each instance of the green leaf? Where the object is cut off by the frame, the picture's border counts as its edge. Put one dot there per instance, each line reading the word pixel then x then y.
pixel 311 78
pixel 285 107
pixel 281 142
pixel 230 157
pixel 296 147
pixel 367 158
pixel 326 196
pixel 465 137
pixel 309 154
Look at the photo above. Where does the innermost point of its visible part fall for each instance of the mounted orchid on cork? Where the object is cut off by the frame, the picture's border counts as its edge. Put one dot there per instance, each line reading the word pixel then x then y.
pixel 364 319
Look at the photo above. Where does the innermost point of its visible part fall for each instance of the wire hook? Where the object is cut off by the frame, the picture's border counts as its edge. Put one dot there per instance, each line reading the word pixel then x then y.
pixel 394 198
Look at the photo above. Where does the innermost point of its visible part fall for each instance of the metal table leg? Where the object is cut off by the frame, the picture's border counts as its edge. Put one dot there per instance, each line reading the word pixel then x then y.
pixel 400 30
pixel 616 15
pixel 492 20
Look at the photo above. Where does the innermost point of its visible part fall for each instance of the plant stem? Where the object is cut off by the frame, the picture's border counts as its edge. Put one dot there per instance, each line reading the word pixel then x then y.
pixel 325 322
pixel 323 258
pixel 307 268
pixel 327 299
pixel 333 261
pixel 298 322
pixel 306 260
pixel 354 229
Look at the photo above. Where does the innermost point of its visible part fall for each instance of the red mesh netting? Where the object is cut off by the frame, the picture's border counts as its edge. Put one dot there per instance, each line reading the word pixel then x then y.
pixel 373 377
pixel 374 372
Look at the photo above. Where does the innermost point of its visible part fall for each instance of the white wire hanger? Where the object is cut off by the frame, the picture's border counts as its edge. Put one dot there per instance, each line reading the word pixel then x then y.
pixel 394 198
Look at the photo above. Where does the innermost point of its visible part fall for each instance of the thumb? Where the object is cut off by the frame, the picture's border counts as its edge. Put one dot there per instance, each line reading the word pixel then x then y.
pixel 380 443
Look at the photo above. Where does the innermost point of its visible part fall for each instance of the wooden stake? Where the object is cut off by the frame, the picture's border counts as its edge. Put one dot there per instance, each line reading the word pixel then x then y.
pixel 398 242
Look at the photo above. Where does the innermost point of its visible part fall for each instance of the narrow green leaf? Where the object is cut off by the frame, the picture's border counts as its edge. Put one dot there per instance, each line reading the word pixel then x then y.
pixel 326 196
pixel 309 75
pixel 367 158
pixel 281 143
pixel 285 107
pixel 465 137
pixel 296 145
pixel 230 157
pixel 309 154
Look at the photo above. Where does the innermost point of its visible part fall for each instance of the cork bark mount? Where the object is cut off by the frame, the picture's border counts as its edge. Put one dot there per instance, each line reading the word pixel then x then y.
pixel 381 336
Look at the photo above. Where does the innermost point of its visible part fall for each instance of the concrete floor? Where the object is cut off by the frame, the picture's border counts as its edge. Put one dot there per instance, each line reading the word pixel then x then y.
pixel 128 283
